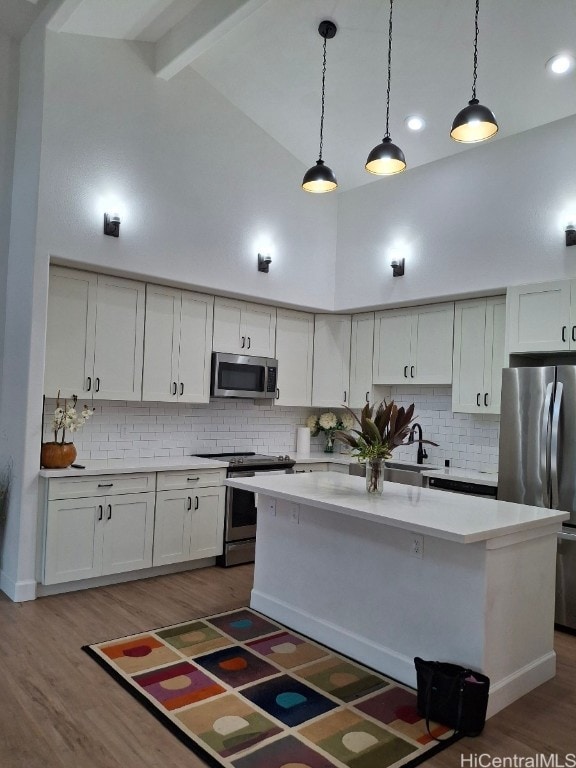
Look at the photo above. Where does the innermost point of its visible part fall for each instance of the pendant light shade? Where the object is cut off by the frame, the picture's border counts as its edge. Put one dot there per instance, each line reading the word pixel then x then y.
pixel 386 159
pixel 320 178
pixel 475 122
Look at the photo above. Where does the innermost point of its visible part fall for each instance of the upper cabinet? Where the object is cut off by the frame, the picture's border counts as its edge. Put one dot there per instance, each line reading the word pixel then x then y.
pixel 244 328
pixel 361 356
pixel 294 350
pixel 479 333
pixel 94 335
pixel 177 346
pixel 541 317
pixel 414 346
pixel 331 376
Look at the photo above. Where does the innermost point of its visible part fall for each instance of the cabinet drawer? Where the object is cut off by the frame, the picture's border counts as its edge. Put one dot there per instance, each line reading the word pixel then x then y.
pixel 314 467
pixel 184 479
pixel 100 485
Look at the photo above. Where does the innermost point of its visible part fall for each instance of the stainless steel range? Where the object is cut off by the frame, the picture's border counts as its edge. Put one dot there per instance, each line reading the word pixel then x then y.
pixel 240 512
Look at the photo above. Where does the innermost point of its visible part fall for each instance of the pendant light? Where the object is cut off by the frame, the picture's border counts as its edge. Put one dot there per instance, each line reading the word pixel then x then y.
pixel 387 159
pixel 320 178
pixel 475 122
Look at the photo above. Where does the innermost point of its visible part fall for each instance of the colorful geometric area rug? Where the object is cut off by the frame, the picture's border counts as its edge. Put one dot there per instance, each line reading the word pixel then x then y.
pixel 246 692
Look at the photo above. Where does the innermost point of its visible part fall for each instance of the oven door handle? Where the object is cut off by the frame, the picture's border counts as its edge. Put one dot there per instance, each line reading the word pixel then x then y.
pixel 239 473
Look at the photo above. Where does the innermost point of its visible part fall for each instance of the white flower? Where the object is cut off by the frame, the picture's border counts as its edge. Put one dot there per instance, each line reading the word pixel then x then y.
pixel 312 422
pixel 328 420
pixel 87 412
pixel 347 421
pixel 58 412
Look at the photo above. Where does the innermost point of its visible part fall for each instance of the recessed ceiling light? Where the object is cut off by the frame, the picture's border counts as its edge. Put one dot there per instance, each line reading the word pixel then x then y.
pixel 560 64
pixel 415 123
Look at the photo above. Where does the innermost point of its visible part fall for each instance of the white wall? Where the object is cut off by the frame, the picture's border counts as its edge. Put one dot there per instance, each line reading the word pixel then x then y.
pixel 477 222
pixel 201 188
pixel 8 109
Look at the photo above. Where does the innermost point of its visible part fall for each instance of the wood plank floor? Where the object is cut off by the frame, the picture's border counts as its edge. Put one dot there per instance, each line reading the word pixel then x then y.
pixel 58 709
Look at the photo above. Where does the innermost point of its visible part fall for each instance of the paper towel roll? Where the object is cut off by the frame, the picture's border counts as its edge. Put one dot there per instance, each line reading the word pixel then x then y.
pixel 303 441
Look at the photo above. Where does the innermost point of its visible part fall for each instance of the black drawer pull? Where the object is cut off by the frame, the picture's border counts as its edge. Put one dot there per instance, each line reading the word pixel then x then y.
pixel 192 479
pixel 105 485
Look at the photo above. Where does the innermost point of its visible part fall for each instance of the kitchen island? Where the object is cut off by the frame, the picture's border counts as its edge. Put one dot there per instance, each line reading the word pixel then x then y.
pixel 414 572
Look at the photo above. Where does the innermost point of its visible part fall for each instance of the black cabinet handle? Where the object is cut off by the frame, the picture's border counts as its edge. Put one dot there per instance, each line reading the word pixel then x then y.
pixel 564 333
pixel 197 504
pixel 277 393
pixel 486 399
pixel 89 384
pixel 345 395
pixel 478 399
pixel 175 387
pixel 100 512
pixel 249 342
pixel 405 371
pixel 181 388
pixel 412 371
pixel 243 342
pixel 574 333
pixel 189 507
pixel 368 396
pixel 97 383
pixel 109 512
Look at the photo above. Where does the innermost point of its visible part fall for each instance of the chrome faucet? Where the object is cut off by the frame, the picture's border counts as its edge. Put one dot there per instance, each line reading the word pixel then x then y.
pixel 421 454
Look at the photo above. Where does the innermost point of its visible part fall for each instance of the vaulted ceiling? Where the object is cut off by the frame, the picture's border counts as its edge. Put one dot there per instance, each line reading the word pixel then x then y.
pixel 265 56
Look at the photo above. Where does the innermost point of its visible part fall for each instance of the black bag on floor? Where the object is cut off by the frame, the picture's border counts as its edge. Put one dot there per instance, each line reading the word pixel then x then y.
pixel 452 695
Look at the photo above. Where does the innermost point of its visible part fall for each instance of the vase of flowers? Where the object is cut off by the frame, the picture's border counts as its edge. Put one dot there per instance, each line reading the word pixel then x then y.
pixel 329 423
pixel 59 454
pixel 380 433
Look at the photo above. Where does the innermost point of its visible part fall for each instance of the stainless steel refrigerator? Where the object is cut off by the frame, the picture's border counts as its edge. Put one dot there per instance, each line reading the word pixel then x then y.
pixel 538 459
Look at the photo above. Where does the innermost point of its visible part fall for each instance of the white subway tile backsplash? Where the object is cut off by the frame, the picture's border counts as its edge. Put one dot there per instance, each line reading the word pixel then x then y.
pixel 121 430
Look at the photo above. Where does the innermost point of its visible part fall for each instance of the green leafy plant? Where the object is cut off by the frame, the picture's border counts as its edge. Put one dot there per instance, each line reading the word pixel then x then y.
pixel 380 432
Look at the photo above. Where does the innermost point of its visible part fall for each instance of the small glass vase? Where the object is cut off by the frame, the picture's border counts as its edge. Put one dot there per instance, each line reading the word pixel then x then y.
pixel 329 444
pixel 374 475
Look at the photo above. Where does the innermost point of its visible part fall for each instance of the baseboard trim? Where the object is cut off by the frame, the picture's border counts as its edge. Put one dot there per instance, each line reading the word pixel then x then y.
pixel 502 692
pixel 17 591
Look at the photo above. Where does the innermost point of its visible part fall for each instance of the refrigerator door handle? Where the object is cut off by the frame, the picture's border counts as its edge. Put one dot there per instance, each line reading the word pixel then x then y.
pixel 545 446
pixel 554 445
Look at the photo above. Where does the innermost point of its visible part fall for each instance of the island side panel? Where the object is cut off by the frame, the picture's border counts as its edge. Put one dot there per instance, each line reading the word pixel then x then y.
pixel 352 584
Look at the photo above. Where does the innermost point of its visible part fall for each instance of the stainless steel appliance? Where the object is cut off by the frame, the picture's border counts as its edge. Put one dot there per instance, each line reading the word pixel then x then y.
pixel 469 487
pixel 243 376
pixel 240 511
pixel 538 459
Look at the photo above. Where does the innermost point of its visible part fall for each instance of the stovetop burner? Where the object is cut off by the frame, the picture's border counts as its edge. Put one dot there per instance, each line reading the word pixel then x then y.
pixel 250 459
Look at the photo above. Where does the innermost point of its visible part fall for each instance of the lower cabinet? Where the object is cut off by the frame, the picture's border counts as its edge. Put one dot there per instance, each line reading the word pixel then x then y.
pixel 189 524
pixel 320 467
pixel 98 536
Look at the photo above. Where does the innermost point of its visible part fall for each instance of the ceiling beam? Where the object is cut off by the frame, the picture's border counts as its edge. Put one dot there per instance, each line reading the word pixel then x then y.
pixel 205 25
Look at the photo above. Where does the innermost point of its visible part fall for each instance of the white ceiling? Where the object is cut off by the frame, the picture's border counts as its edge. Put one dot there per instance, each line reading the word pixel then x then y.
pixel 265 56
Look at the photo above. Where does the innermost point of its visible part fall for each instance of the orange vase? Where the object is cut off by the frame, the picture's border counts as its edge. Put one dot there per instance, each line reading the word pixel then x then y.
pixel 57 455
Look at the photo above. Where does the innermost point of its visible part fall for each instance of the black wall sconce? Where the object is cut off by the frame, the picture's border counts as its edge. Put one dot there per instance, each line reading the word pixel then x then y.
pixel 570 234
pixel 264 263
pixel 397 267
pixel 112 224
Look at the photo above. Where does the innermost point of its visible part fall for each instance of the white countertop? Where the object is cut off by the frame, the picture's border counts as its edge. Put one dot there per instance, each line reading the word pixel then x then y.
pixel 465 519
pixel 466 475
pixel 123 466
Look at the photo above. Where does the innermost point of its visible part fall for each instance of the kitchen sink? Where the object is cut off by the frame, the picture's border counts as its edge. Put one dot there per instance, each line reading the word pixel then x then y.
pixel 403 472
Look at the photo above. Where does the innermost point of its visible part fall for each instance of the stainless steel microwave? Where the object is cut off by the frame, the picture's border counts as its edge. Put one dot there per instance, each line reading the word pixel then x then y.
pixel 243 376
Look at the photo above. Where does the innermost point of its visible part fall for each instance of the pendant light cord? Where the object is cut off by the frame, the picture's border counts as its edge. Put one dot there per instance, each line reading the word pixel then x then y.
pixel 475 51
pixel 389 72
pixel 322 113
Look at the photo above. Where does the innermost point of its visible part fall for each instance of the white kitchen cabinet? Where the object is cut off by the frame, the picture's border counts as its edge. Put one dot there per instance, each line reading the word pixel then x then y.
pixel 361 360
pixel 414 346
pixel 189 524
pixel 97 535
pixel 244 328
pixel 294 351
pixel 331 370
pixel 94 335
pixel 479 339
pixel 328 466
pixel 177 345
pixel 541 317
